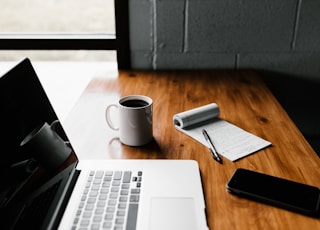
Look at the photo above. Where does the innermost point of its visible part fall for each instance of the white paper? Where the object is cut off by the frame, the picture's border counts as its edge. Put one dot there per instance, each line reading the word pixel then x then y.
pixel 231 141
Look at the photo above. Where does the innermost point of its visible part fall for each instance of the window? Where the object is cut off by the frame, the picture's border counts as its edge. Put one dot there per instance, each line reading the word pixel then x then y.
pixel 68 25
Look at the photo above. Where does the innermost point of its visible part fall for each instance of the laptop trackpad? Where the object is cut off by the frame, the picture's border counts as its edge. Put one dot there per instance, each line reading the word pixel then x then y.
pixel 172 213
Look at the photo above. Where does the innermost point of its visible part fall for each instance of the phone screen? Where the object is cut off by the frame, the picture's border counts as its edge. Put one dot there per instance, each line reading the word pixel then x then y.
pixel 277 191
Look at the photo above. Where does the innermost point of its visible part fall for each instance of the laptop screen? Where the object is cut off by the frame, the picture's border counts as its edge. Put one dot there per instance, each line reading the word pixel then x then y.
pixel 24 106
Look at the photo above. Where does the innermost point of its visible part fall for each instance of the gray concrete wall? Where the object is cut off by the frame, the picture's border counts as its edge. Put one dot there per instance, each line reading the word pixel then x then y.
pixel 281 36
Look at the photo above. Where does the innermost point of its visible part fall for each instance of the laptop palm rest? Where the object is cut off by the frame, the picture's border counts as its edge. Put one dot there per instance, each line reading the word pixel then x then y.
pixel 172 213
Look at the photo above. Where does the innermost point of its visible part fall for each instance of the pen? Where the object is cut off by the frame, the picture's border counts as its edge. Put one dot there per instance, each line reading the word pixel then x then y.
pixel 212 149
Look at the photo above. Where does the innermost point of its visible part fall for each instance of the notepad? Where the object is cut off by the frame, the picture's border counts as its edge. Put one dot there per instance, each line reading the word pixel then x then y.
pixel 231 141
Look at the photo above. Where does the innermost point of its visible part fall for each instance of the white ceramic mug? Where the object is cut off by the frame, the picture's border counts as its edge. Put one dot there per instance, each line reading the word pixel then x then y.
pixel 135 119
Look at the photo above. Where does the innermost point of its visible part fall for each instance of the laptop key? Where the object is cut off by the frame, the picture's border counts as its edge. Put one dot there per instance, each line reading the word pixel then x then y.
pixel 126 177
pixel 125 186
pixel 95 227
pixel 107 225
pixel 135 191
pixel 99 174
pixel 132 216
pixel 117 175
pixel 134 198
pixel 98 211
pixel 108 217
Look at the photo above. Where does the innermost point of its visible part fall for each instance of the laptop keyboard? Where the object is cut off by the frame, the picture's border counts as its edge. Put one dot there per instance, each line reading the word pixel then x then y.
pixel 110 200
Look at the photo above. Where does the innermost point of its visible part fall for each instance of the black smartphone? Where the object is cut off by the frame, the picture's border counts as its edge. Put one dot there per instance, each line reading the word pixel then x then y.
pixel 275 191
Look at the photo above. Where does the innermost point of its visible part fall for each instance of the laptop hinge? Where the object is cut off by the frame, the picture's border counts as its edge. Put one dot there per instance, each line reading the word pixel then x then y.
pixel 55 218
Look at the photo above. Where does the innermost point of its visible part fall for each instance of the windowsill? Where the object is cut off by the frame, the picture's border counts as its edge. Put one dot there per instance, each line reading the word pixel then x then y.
pixel 65 81
pixel 61 35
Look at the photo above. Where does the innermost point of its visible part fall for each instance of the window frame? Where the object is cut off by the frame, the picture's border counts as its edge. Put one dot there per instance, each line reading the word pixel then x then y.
pixel 75 41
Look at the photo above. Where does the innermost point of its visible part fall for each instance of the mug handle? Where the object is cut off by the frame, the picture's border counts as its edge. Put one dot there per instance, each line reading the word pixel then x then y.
pixel 57 128
pixel 54 125
pixel 108 117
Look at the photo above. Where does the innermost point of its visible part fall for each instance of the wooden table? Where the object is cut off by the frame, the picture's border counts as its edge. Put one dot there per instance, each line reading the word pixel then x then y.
pixel 244 100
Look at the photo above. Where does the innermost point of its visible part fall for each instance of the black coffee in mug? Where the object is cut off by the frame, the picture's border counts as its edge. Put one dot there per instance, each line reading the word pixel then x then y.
pixel 134 103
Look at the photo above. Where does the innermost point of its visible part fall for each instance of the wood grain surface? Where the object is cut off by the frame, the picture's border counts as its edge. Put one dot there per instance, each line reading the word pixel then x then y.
pixel 244 100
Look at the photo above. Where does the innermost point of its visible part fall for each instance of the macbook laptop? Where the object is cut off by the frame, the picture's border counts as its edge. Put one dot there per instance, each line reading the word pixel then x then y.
pixel 91 194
